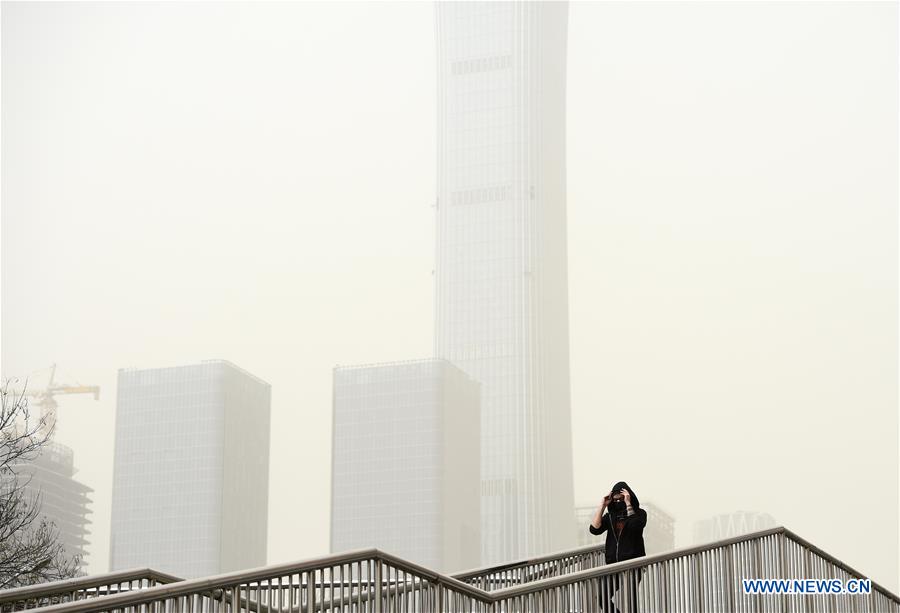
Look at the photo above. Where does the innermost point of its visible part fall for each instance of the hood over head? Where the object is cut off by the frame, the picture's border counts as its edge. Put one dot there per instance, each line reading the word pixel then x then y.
pixel 635 503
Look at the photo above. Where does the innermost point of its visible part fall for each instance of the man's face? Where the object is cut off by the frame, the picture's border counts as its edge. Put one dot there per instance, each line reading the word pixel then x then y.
pixel 617 495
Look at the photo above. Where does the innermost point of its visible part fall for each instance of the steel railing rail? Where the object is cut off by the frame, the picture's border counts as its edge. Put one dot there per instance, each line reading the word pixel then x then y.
pixel 317 581
pixel 703 578
pixel 531 569
pixel 77 588
pixel 486 577
pixel 694 579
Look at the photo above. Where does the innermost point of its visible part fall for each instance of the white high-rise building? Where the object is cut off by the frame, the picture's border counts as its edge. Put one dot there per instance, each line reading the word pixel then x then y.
pixel 191 469
pixel 404 476
pixel 501 305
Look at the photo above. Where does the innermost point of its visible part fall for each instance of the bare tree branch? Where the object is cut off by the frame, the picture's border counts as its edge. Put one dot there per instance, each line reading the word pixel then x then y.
pixel 30 550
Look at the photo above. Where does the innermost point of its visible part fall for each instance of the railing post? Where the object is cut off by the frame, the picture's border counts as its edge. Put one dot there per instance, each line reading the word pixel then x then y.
pixel 729 564
pixel 757 556
pixel 311 590
pixel 378 586
pixel 697 571
pixel 783 570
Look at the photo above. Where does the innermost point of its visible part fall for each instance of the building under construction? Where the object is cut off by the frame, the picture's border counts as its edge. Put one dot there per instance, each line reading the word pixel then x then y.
pixel 49 477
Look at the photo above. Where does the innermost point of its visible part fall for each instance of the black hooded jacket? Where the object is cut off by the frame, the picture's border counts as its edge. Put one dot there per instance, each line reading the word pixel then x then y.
pixel 630 544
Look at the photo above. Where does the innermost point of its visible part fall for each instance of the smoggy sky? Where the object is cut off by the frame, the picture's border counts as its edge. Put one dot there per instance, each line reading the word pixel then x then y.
pixel 254 182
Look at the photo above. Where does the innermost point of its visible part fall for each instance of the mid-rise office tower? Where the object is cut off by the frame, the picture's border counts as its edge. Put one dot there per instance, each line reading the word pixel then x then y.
pixel 501 287
pixel 404 475
pixel 191 470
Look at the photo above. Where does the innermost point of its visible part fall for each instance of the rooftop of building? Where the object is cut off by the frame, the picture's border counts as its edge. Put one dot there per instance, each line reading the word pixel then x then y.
pixel 227 363
pixel 393 364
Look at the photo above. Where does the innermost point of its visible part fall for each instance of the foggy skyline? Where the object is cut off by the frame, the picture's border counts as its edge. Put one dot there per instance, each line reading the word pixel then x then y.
pixel 253 182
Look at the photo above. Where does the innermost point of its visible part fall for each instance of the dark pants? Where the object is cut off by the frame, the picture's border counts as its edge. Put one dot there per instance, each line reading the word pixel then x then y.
pixel 627 598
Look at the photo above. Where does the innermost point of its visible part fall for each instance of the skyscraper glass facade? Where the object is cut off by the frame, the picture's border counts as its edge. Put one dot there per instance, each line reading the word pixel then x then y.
pixel 404 478
pixel 190 481
pixel 501 305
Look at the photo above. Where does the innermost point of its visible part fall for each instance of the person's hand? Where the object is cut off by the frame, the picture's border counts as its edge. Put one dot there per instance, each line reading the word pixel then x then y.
pixel 605 502
pixel 625 495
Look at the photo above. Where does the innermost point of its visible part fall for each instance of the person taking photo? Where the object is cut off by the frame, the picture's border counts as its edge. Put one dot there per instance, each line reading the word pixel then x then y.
pixel 620 515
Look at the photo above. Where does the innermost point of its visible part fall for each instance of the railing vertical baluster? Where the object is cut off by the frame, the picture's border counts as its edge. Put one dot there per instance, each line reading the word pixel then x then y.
pixel 378 608
pixel 677 592
pixel 661 586
pixel 729 577
pixel 401 592
pixel 389 583
pixel 331 596
pixel 310 591
pixel 322 581
pixel 270 595
pixel 348 581
pixel 672 585
pixel 355 580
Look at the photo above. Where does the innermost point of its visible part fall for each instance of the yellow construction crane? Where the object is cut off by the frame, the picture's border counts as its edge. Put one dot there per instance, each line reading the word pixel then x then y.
pixel 47 402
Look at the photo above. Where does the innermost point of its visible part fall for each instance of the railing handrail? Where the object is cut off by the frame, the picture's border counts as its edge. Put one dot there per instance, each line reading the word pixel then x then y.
pixel 616 567
pixel 436 577
pixel 228 580
pixel 550 557
pixel 66 586
pixel 845 567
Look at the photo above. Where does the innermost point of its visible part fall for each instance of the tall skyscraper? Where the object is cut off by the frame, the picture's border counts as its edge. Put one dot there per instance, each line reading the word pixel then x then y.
pixel 501 305
pixel 191 469
pixel 404 478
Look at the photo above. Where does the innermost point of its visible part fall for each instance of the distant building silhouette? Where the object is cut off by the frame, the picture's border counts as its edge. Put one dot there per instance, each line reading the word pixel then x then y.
pixel 583 516
pixel 501 283
pixel 191 469
pixel 659 533
pixel 49 478
pixel 728 525
pixel 404 478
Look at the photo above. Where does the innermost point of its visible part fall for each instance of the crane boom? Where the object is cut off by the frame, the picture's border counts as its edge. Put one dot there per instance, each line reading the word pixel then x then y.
pixel 48 403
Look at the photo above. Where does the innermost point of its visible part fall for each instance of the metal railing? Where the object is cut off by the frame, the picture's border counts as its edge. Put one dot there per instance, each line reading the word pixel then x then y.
pixel 543 567
pixel 490 577
pixel 695 579
pixel 364 580
pixel 704 578
pixel 79 588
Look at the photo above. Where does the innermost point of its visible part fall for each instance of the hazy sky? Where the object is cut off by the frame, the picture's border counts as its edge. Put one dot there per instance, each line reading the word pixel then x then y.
pixel 254 182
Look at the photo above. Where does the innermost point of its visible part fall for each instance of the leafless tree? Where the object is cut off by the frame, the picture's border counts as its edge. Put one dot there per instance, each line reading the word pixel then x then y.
pixel 30 550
